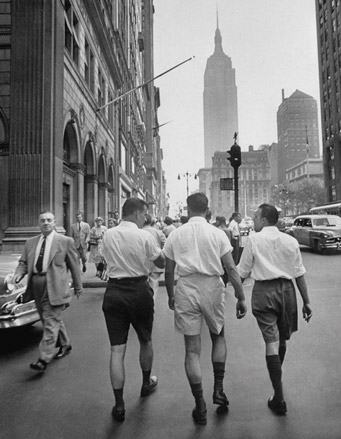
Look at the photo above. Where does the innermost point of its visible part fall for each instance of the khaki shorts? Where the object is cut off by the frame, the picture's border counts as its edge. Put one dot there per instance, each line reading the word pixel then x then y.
pixel 199 297
pixel 274 305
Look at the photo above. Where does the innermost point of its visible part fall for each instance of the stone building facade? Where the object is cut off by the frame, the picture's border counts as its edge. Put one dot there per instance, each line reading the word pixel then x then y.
pixel 254 182
pixel 62 147
pixel 328 19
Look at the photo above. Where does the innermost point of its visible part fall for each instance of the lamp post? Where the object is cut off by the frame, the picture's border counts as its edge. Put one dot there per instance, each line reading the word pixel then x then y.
pixel 187 175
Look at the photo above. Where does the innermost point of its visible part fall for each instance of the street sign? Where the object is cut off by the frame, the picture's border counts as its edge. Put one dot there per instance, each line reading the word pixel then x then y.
pixel 226 184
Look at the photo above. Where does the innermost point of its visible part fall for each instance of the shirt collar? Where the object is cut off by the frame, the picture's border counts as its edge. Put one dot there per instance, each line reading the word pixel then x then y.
pixel 49 236
pixel 199 219
pixel 128 224
pixel 270 229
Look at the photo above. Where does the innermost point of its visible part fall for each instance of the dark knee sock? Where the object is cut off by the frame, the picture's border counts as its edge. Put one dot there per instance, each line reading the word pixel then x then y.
pixel 219 373
pixel 281 352
pixel 198 395
pixel 146 377
pixel 119 397
pixel 273 363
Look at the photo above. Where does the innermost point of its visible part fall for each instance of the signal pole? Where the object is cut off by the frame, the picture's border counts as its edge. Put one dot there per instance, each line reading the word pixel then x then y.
pixel 236 160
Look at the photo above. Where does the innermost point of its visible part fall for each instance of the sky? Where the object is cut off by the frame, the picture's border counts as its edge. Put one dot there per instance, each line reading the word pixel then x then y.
pixel 272 45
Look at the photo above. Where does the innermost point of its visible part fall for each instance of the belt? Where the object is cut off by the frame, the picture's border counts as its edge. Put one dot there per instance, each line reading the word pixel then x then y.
pixel 127 280
pixel 39 274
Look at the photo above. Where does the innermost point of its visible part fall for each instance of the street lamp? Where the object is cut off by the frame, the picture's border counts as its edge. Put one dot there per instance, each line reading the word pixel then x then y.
pixel 187 175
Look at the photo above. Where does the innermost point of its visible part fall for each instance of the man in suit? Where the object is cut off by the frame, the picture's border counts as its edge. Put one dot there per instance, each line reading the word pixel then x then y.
pixel 46 260
pixel 80 232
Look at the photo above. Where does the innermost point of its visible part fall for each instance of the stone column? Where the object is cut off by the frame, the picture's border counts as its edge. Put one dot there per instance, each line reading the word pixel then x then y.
pixel 36 130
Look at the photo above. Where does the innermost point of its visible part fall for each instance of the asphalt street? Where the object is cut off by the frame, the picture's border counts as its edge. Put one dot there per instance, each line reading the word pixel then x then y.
pixel 73 399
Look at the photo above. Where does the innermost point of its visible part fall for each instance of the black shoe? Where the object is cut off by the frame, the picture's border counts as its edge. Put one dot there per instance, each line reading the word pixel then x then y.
pixel 118 414
pixel 220 398
pixel 278 407
pixel 147 389
pixel 63 350
pixel 199 416
pixel 84 268
pixel 39 365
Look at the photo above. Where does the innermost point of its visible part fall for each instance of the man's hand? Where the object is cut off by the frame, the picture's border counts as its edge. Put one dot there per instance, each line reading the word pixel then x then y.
pixel 78 293
pixel 171 303
pixel 17 278
pixel 307 312
pixel 241 309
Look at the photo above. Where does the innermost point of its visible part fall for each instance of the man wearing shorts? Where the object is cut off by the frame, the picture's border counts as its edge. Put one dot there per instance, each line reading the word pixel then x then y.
pixel 128 298
pixel 199 249
pixel 273 259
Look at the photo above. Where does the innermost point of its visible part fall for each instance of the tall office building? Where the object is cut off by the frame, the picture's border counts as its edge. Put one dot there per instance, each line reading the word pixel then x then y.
pixel 297 130
pixel 328 19
pixel 220 102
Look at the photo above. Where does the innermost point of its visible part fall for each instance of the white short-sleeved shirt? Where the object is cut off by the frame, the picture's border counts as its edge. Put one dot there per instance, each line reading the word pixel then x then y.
pixel 197 247
pixel 271 254
pixel 127 250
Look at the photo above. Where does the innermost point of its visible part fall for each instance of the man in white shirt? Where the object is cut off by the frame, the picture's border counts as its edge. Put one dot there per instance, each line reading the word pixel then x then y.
pixel 128 299
pixel 199 249
pixel 273 259
pixel 80 232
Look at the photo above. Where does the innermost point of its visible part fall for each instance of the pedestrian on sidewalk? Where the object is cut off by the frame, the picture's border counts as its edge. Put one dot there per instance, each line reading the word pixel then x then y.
pixel 96 236
pixel 198 249
pixel 80 232
pixel 273 260
pixel 235 235
pixel 128 299
pixel 160 238
pixel 46 260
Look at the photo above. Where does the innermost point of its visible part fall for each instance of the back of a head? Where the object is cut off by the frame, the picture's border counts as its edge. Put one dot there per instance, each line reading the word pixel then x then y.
pixel 222 221
pixel 133 205
pixel 183 219
pixel 270 213
pixel 168 221
pixel 197 202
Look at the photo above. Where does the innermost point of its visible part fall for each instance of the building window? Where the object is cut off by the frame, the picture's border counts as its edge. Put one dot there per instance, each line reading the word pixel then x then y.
pixel 101 89
pixel 71 32
pixel 89 66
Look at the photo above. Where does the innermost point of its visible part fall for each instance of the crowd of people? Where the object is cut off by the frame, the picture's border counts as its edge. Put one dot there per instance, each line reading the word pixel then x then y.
pixel 134 251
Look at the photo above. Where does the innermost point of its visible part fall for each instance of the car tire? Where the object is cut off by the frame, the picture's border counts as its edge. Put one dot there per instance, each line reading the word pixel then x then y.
pixel 317 247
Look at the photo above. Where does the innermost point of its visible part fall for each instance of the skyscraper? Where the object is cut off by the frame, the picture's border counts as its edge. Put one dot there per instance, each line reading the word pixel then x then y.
pixel 328 19
pixel 297 130
pixel 220 102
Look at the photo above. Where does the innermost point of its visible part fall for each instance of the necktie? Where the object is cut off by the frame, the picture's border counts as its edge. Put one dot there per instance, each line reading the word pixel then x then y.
pixel 79 226
pixel 39 264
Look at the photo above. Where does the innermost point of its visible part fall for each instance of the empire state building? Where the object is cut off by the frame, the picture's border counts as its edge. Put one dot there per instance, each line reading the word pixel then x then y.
pixel 220 102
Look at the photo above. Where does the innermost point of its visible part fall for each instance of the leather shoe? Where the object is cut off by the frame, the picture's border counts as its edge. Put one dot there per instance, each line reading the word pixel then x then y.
pixel 278 407
pixel 220 398
pixel 147 389
pixel 199 416
pixel 39 365
pixel 118 414
pixel 63 350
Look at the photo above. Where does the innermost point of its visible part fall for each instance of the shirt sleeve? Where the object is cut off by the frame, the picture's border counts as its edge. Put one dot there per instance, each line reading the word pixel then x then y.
pixel 246 262
pixel 299 269
pixel 168 249
pixel 153 250
pixel 225 244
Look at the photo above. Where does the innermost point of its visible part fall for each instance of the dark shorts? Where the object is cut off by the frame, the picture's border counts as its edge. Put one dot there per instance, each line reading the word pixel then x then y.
pixel 274 305
pixel 128 302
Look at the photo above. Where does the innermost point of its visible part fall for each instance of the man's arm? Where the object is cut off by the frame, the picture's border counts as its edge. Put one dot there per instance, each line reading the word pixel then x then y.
pixel 160 261
pixel 72 262
pixel 169 279
pixel 236 283
pixel 303 289
pixel 21 269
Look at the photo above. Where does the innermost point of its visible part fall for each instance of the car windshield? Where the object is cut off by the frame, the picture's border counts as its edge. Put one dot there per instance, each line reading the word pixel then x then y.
pixel 330 221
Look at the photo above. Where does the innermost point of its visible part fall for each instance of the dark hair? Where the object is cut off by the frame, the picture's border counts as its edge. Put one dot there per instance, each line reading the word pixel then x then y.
pixel 235 215
pixel 222 221
pixel 133 205
pixel 45 211
pixel 197 202
pixel 183 219
pixel 168 220
pixel 148 220
pixel 270 213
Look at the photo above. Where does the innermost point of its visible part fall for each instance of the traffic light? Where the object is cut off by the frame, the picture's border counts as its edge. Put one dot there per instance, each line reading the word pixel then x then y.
pixel 235 156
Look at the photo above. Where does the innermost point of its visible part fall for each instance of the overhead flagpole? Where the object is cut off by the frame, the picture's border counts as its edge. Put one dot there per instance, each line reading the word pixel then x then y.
pixel 307 149
pixel 142 85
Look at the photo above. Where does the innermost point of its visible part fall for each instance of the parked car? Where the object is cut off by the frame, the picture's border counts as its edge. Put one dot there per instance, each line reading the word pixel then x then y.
pixel 14 313
pixel 319 232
